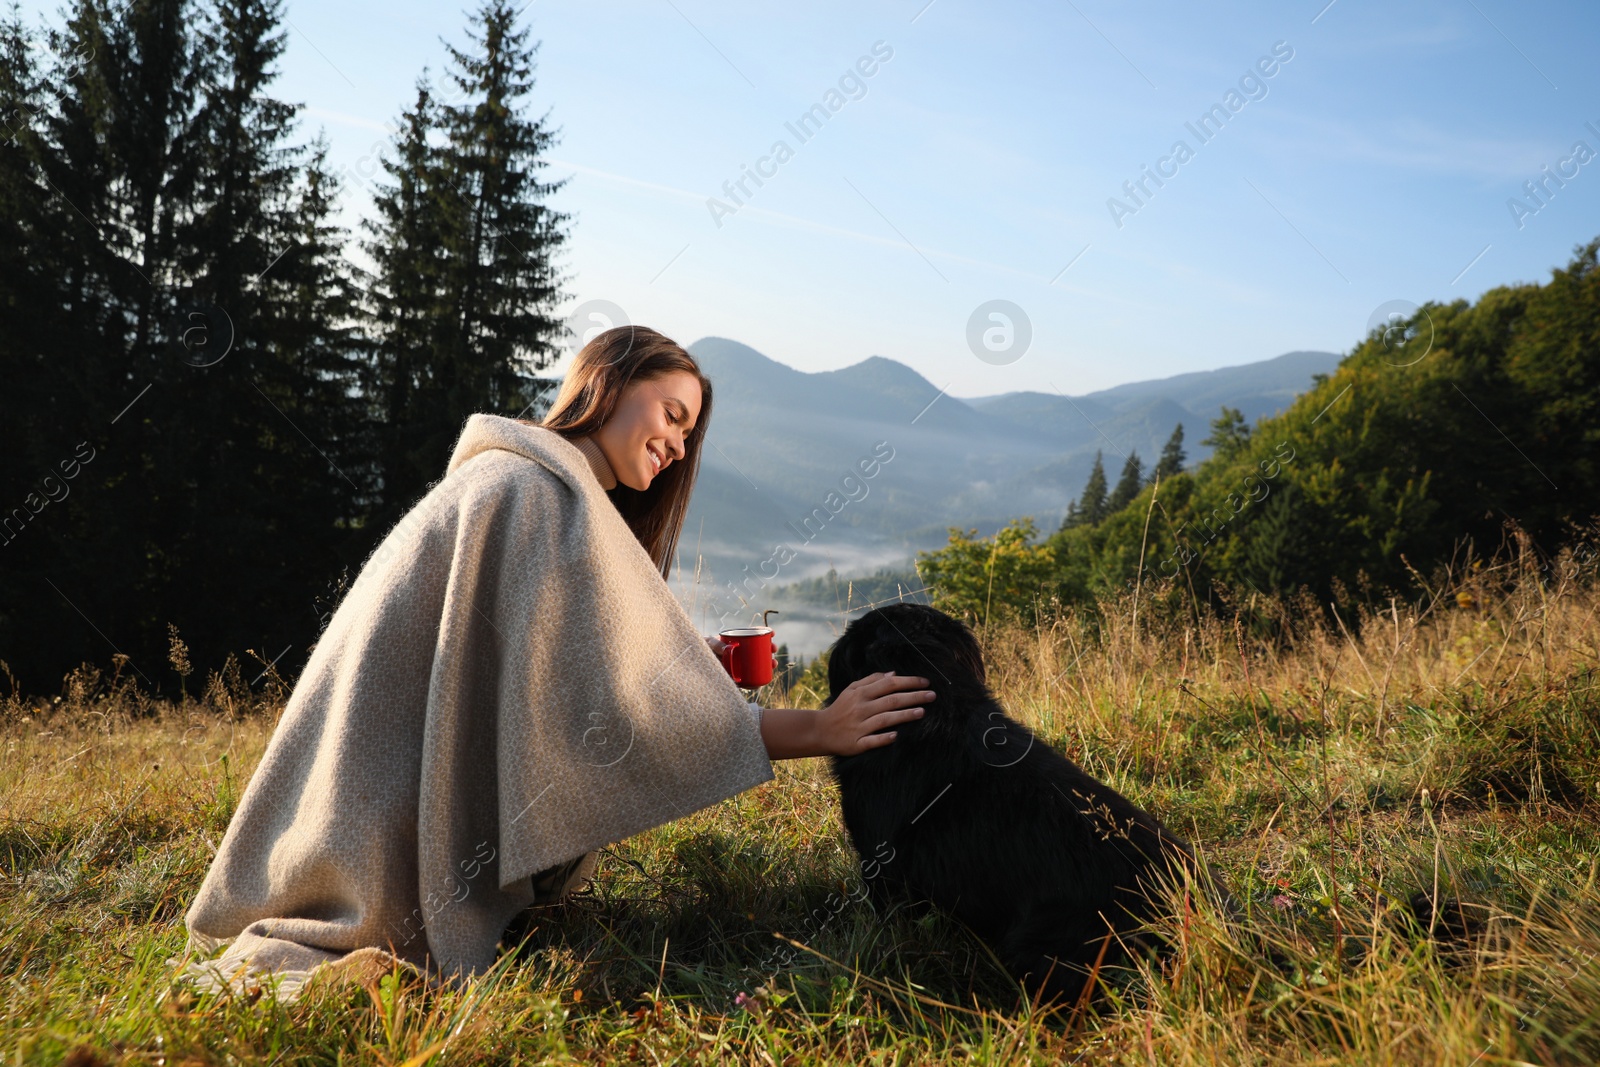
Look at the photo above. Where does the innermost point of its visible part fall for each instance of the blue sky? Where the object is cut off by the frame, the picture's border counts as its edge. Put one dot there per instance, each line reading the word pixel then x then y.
pixel 977 161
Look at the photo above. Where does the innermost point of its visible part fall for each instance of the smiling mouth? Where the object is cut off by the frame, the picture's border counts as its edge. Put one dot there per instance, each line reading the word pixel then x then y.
pixel 655 459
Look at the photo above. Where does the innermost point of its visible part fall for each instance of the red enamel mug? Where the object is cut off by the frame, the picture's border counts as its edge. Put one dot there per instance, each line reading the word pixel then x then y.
pixel 747 654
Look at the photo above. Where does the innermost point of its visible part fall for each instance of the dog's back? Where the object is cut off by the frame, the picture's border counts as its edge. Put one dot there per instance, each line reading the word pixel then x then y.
pixel 971 811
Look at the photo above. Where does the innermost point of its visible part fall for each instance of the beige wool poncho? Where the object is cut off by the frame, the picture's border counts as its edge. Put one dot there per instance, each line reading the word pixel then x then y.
pixel 508 685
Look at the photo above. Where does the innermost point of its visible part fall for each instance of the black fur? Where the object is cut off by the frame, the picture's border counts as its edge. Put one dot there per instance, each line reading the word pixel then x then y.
pixel 1457 927
pixel 966 808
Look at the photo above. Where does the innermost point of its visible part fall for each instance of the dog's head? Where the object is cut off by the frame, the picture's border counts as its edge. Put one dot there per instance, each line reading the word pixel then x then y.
pixel 911 639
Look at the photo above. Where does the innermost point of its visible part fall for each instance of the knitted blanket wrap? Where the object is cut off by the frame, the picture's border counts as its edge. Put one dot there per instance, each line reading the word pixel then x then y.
pixel 507 685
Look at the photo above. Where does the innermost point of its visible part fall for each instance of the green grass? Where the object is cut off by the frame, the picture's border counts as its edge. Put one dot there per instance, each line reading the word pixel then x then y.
pixel 1323 777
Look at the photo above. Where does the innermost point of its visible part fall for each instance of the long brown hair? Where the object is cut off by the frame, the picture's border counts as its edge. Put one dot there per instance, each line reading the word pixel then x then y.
pixel 588 396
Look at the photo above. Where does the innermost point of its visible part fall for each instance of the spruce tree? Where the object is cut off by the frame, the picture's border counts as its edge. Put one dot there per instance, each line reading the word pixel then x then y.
pixel 253 445
pixel 106 147
pixel 198 290
pixel 403 303
pixel 1278 549
pixel 257 418
pixel 1128 485
pixel 36 432
pixel 1229 433
pixel 502 278
pixel 1172 458
pixel 1092 505
pixel 463 299
pixel 316 316
pixel 32 275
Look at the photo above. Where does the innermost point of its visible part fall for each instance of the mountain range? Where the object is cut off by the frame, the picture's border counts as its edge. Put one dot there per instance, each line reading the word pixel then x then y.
pixel 780 441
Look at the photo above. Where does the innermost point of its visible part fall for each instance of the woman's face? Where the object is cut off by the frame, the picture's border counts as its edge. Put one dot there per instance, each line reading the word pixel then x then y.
pixel 651 420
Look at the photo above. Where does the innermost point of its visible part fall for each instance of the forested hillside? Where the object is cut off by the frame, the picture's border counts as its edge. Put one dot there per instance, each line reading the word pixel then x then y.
pixel 208 412
pixel 1433 435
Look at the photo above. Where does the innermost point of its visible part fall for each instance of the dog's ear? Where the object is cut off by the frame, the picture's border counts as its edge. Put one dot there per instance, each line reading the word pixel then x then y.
pixel 910 639
pixel 873 644
pixel 918 639
pixel 890 650
pixel 963 647
pixel 846 659
pixel 942 638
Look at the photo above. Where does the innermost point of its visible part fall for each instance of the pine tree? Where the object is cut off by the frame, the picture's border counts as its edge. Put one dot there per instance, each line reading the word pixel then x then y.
pixel 403 305
pixel 198 288
pixel 1092 505
pixel 316 317
pixel 502 277
pixel 32 275
pixel 261 412
pixel 106 147
pixel 1172 457
pixel 1128 485
pixel 1229 433
pixel 462 301
pixel 36 426
pixel 1277 546
pixel 786 669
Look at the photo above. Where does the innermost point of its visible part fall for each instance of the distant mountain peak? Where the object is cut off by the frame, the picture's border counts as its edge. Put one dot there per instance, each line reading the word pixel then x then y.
pixel 867 464
pixel 880 372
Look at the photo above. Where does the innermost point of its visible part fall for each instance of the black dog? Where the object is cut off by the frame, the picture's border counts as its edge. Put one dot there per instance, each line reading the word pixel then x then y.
pixel 1051 868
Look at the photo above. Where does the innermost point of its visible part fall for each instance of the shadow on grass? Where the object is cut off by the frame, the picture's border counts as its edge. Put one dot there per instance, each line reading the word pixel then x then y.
pixel 703 928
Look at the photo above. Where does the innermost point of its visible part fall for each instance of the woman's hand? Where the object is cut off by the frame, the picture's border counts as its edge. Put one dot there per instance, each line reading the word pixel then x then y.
pixel 851 723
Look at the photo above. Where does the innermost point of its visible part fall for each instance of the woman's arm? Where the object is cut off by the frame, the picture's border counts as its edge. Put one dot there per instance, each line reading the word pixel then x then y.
pixel 850 723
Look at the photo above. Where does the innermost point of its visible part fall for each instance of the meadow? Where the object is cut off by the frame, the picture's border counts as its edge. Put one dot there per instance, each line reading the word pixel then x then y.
pixel 1327 767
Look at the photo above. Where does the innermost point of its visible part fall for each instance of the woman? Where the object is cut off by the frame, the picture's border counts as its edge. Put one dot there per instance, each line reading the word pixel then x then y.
pixel 508 685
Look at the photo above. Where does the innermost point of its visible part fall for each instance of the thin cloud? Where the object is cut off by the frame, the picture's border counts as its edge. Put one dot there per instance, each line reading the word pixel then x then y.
pixel 779 218
pixel 346 120
pixel 1412 145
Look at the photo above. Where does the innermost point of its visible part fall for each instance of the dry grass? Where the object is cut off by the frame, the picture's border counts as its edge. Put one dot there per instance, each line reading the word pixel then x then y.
pixel 1454 743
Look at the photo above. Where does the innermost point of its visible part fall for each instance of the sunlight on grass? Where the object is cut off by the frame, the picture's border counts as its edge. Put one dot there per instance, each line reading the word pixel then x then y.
pixel 1325 776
